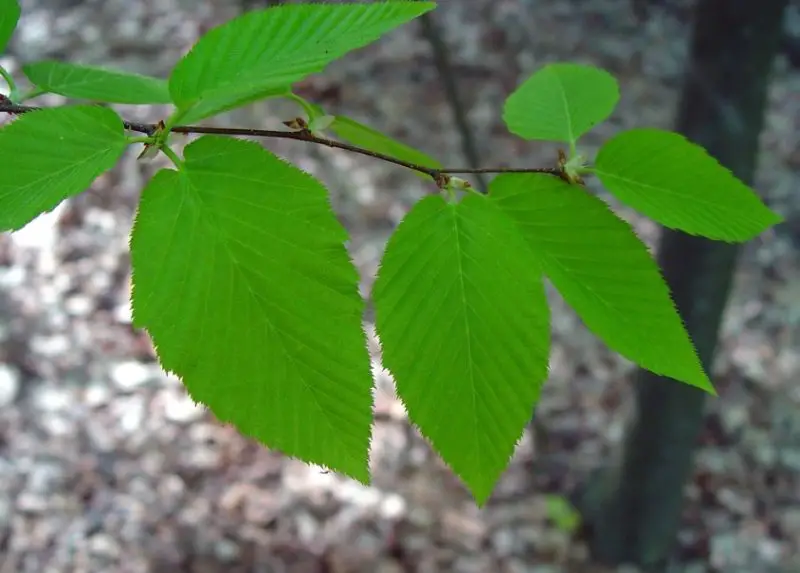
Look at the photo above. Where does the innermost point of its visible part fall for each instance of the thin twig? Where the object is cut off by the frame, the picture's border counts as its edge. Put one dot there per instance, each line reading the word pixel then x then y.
pixel 304 135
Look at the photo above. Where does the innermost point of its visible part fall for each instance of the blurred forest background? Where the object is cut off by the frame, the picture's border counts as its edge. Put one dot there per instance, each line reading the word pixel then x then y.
pixel 106 465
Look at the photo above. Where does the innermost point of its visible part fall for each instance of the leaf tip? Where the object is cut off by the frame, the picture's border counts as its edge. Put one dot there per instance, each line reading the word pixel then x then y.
pixel 774 218
pixel 708 387
pixel 700 380
pixel 362 477
pixel 481 499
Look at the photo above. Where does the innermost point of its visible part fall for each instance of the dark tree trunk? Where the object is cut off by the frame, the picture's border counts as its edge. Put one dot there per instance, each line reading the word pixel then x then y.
pixel 634 508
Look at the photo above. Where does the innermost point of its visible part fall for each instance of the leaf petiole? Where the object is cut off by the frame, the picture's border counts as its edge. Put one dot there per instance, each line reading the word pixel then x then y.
pixel 310 109
pixel 32 93
pixel 13 92
pixel 177 161
pixel 174 119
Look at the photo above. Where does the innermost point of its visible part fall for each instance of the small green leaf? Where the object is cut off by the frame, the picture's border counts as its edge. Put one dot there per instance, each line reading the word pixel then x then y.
pixel 52 154
pixel 9 16
pixel 561 102
pixel 312 110
pixel 97 84
pixel 320 123
pixel 242 279
pixel 678 184
pixel 563 515
pixel 464 325
pixel 364 136
pixel 264 52
pixel 603 271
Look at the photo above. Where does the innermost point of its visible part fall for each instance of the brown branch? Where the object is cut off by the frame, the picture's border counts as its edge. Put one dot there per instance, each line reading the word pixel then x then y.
pixel 307 136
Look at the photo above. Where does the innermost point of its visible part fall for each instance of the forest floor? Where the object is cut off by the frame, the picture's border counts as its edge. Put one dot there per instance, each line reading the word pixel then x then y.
pixel 106 465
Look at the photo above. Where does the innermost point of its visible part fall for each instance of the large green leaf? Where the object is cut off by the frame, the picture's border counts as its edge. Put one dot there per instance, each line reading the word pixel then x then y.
pixel 97 84
pixel 561 102
pixel 678 184
pixel 9 16
pixel 464 327
pixel 364 136
pixel 263 52
pixel 242 279
pixel 52 154
pixel 603 270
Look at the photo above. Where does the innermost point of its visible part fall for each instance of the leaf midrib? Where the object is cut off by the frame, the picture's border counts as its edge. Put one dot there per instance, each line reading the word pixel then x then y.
pixel 473 394
pixel 565 101
pixel 205 218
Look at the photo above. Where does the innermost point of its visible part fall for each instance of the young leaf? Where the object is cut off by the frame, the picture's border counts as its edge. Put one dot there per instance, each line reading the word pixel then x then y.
pixel 464 326
pixel 264 51
pixel 561 102
pixel 678 184
pixel 53 154
pixel 242 279
pixel 359 134
pixel 312 110
pixel 9 16
pixel 97 84
pixel 320 123
pixel 603 271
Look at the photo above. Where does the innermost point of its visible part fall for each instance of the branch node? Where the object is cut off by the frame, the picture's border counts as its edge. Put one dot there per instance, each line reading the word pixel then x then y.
pixel 442 180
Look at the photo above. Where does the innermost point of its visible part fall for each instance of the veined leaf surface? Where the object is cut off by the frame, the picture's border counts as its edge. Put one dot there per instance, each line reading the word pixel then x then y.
pixel 603 271
pixel 242 279
pixel 364 136
pixel 52 154
pixel 464 325
pixel 264 52
pixel 676 183
pixel 96 83
pixel 561 102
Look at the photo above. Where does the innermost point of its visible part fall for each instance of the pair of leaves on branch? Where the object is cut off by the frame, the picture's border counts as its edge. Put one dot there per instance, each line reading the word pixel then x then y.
pixel 243 281
pixel 252 298
pixel 54 154
pixel 255 56
pixel 659 173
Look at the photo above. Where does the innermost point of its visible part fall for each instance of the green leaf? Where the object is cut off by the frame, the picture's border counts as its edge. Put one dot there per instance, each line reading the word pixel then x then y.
pixel 312 110
pixel 561 102
pixel 603 271
pixel 242 279
pixel 263 52
pixel 320 123
pixel 678 184
pixel 562 513
pixel 97 84
pixel 464 325
pixel 364 136
pixel 52 154
pixel 9 16
pixel 217 105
